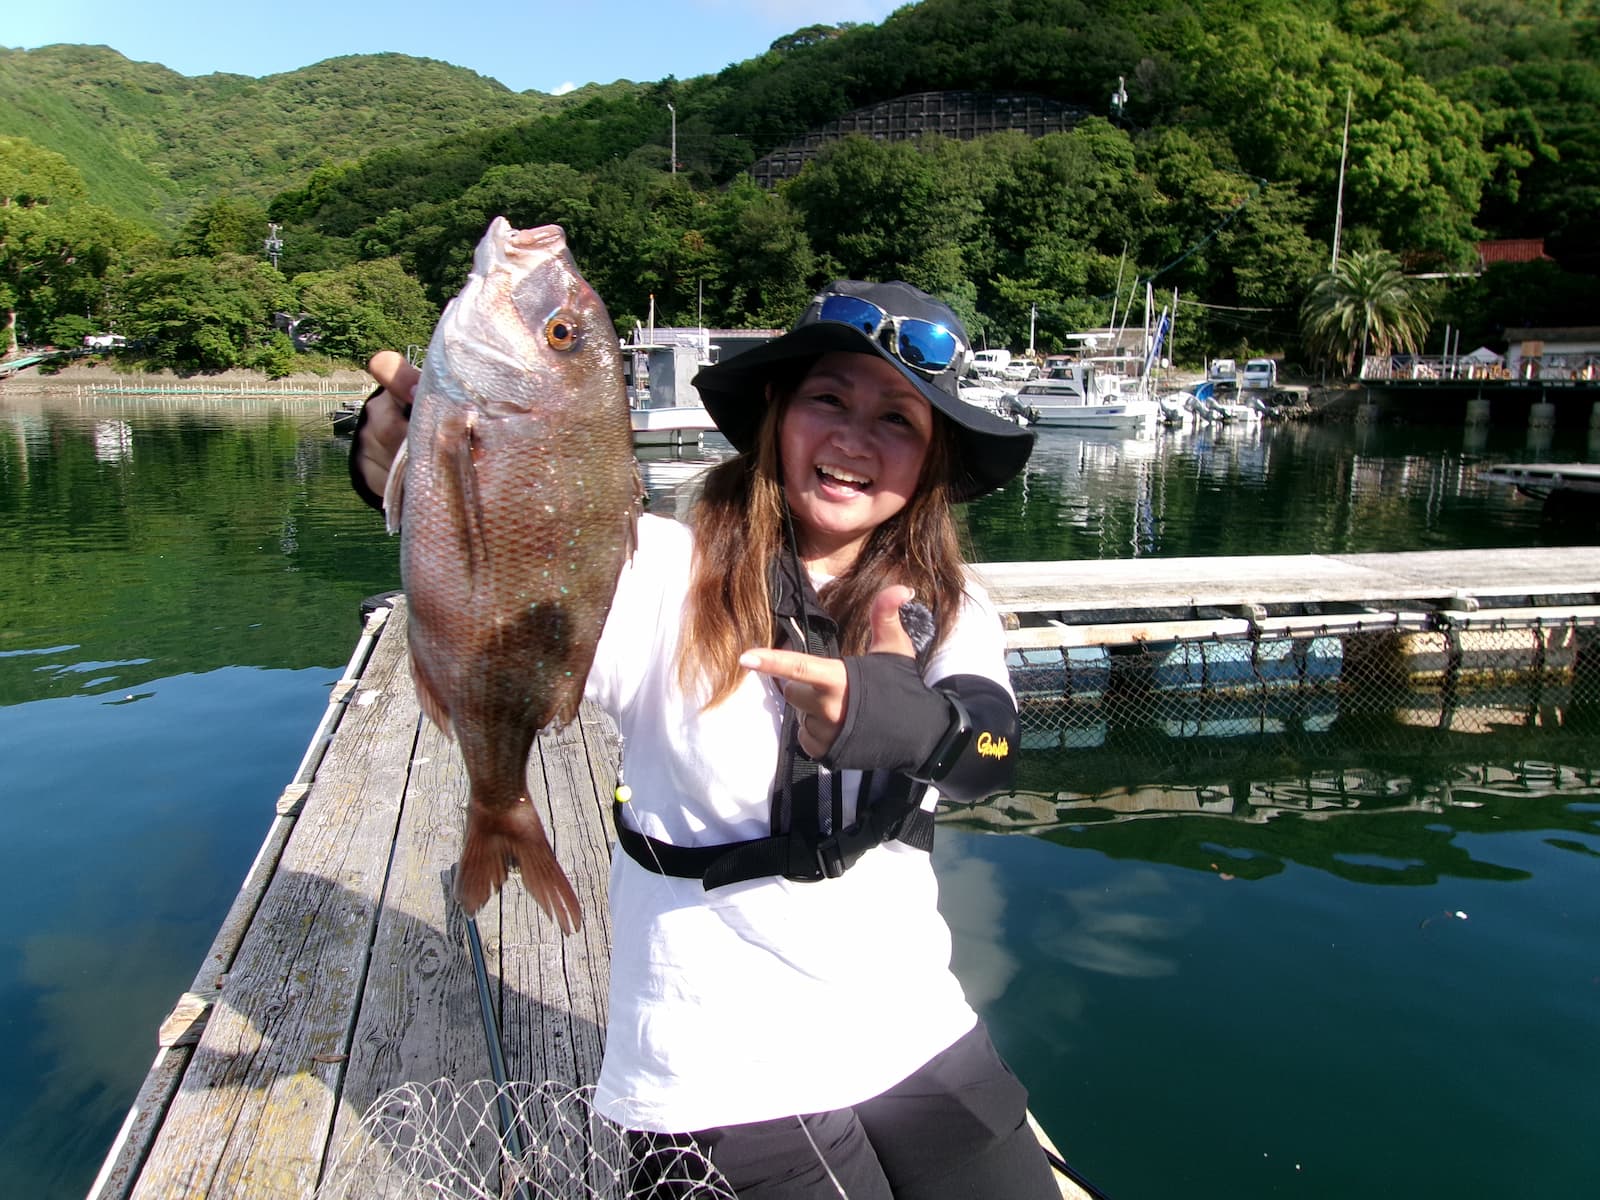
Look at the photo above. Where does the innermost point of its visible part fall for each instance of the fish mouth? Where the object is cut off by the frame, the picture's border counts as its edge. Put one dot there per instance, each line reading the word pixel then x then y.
pixel 549 238
pixel 836 478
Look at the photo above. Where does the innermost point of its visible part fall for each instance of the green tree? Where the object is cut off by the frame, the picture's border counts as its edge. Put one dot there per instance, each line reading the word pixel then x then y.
pixel 202 313
pixel 882 210
pixel 358 310
pixel 1363 306
pixel 769 264
pixel 227 225
pixel 55 248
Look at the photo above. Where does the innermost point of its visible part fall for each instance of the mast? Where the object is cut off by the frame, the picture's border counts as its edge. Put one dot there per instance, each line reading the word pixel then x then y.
pixel 1338 204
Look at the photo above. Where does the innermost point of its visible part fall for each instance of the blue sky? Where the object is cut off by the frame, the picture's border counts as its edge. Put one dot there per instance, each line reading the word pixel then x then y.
pixel 533 44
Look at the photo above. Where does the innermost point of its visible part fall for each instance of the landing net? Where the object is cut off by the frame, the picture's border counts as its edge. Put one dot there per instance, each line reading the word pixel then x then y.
pixel 517 1141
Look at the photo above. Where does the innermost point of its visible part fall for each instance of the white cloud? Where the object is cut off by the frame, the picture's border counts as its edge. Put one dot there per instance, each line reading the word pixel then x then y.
pixel 561 89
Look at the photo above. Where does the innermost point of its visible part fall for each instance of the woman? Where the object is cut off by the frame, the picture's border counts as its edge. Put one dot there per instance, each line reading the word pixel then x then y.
pixel 798 674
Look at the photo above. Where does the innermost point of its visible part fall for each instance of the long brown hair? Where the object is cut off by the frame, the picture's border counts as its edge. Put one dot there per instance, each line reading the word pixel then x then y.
pixel 739 523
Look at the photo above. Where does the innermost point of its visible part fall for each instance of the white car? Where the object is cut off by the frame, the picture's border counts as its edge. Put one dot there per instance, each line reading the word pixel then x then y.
pixel 1020 370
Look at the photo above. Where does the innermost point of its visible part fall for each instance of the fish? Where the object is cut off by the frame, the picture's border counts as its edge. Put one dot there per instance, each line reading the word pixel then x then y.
pixel 516 496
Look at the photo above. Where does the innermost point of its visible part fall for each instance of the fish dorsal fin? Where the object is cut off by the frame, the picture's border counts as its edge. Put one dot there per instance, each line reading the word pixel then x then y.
pixel 394 491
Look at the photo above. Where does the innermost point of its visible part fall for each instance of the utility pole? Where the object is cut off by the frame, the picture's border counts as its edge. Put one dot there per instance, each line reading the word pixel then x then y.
pixel 1119 98
pixel 1338 204
pixel 274 244
pixel 674 113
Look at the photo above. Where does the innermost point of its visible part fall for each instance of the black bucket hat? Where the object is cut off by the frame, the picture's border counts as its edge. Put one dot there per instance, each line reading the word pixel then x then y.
pixel 907 328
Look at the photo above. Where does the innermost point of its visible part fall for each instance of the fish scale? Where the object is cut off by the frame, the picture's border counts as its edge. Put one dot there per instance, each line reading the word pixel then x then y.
pixel 516 496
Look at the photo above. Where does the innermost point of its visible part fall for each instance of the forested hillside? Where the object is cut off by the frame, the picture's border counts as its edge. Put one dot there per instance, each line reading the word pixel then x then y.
pixel 152 143
pixel 1218 177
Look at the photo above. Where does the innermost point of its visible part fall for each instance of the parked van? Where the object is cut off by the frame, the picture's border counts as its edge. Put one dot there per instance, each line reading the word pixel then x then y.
pixel 1259 375
pixel 991 362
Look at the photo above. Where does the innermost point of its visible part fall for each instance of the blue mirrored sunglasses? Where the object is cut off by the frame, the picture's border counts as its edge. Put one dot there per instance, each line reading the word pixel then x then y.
pixel 922 345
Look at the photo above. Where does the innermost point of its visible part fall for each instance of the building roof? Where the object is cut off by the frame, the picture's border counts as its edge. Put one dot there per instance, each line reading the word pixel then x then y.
pixel 1571 333
pixel 1511 250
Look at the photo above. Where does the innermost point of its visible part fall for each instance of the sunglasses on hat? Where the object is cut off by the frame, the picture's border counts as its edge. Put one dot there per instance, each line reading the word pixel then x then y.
pixel 922 345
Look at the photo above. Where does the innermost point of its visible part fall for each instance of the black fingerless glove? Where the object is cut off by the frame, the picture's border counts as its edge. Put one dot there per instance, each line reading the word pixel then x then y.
pixel 357 481
pixel 957 734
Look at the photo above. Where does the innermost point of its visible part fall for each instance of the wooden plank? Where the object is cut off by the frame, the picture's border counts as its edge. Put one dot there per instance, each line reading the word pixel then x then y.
pixel 132 1145
pixel 554 998
pixel 1180 583
pixel 419 1019
pixel 1166 583
pixel 1122 633
pixel 256 1103
pixel 1340 623
pixel 1547 615
pixel 1547 571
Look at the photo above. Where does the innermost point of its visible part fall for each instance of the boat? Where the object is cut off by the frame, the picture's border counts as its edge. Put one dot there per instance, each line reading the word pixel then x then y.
pixel 663 406
pixel 1225 405
pixel 346 415
pixel 985 396
pixel 1088 394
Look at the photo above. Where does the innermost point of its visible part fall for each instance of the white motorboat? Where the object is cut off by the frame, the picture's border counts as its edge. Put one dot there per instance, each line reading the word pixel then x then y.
pixel 1225 405
pixel 663 406
pixel 986 396
pixel 1078 395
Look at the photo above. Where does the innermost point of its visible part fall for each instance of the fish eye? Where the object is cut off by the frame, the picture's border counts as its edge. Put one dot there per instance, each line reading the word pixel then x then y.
pixel 561 332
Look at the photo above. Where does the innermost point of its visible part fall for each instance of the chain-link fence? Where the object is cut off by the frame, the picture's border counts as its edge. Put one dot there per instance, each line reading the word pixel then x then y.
pixel 1374 685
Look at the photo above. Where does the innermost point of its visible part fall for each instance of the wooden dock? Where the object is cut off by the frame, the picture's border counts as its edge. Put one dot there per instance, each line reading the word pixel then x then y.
pixel 342 970
pixel 1123 601
pixel 1542 480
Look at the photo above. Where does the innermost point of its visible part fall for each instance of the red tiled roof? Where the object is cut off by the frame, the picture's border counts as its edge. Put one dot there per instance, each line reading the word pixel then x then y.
pixel 1511 250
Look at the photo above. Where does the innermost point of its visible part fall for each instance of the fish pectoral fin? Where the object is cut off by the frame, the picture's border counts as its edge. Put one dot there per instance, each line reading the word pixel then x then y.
pixel 394 490
pixel 431 707
pixel 464 470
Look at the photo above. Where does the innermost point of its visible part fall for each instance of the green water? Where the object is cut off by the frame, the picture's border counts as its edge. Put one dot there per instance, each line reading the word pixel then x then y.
pixel 1241 974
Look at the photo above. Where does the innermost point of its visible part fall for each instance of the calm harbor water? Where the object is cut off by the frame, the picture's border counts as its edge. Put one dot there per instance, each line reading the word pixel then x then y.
pixel 1214 986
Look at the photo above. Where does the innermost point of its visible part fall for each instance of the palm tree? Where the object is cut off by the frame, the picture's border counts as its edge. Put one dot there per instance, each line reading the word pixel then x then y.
pixel 1364 305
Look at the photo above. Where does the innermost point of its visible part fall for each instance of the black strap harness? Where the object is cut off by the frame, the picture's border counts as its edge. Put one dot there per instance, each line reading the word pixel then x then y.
pixel 810 841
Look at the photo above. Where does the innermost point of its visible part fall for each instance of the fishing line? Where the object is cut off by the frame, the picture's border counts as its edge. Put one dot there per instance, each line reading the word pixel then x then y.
pixel 817 1150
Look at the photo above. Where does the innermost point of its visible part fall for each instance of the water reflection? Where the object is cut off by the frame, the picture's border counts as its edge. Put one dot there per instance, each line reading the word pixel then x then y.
pixel 1207 917
pixel 1267 489
pixel 1249 825
pixel 672 474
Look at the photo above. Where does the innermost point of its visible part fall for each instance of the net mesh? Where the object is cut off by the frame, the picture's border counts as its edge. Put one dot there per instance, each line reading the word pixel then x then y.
pixel 517 1141
pixel 1375 684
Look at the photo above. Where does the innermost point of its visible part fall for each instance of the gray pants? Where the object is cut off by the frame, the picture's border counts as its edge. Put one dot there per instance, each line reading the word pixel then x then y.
pixel 955 1129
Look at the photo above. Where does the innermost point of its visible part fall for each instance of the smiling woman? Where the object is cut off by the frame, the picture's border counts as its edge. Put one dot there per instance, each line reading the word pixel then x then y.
pixel 794 740
pixel 854 438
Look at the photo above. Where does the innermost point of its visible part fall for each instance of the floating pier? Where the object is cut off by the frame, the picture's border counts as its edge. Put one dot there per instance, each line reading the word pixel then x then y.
pixel 342 969
pixel 1175 649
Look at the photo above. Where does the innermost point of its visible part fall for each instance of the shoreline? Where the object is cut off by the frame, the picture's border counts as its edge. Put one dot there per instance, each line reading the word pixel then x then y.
pixel 101 375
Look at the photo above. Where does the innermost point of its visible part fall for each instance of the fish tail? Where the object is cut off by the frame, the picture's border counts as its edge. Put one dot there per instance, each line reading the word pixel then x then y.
pixel 497 837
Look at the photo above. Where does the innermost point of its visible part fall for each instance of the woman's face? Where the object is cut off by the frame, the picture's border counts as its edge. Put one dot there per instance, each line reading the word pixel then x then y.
pixel 851 443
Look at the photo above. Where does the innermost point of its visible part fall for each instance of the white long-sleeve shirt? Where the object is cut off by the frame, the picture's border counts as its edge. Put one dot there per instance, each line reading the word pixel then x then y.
pixel 764 998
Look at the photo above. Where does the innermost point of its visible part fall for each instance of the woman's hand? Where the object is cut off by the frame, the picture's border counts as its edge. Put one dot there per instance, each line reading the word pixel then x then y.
pixel 817 687
pixel 382 434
